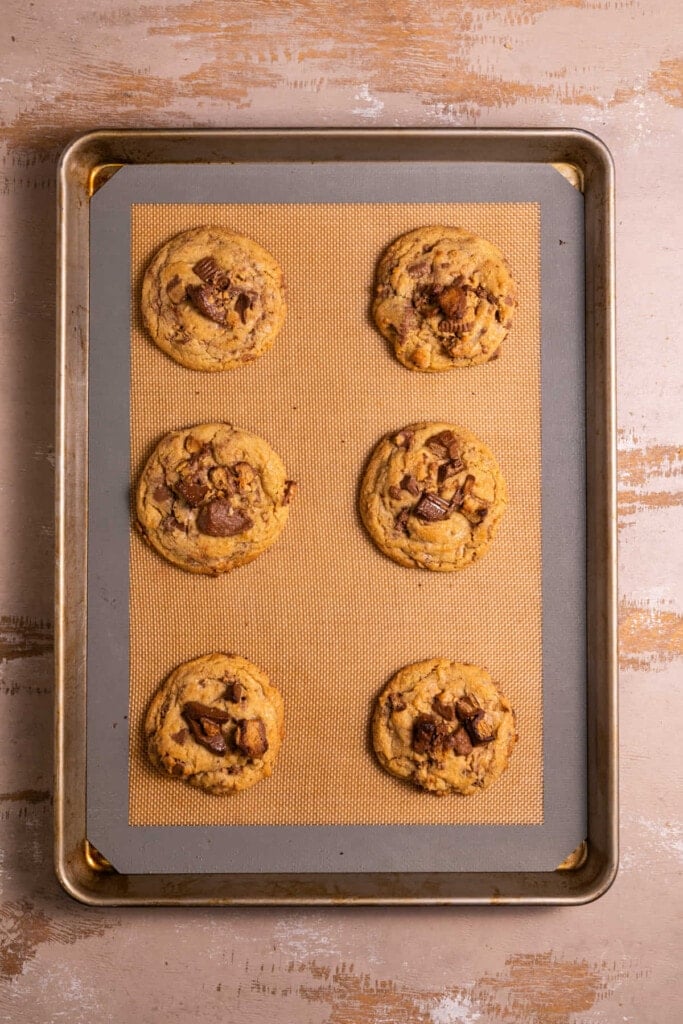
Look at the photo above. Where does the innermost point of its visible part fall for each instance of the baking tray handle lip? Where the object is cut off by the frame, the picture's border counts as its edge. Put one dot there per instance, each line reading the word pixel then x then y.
pixel 594 146
pixel 73 149
pixel 78 879
pixel 69 883
pixel 601 882
pixel 86 886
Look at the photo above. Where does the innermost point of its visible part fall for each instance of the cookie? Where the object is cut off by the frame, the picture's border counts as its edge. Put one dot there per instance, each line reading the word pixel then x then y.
pixel 443 298
pixel 432 497
pixel 443 726
pixel 212 497
pixel 213 300
pixel 216 723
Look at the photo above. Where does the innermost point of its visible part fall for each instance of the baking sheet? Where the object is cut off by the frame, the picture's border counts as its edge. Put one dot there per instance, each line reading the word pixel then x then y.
pixel 363 845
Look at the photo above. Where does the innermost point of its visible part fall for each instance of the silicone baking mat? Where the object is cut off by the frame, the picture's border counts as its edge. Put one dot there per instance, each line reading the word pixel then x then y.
pixel 326 615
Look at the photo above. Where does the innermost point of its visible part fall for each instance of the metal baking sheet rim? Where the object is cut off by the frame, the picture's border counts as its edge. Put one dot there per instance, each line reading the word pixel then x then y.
pixel 83 873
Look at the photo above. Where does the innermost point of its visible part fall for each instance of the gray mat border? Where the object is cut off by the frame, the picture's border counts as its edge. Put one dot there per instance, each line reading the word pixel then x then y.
pixel 284 849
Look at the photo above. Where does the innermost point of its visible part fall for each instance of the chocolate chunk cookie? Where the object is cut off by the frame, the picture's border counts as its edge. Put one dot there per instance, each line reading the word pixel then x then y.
pixel 432 497
pixel 216 723
pixel 212 497
pixel 443 298
pixel 213 300
pixel 443 726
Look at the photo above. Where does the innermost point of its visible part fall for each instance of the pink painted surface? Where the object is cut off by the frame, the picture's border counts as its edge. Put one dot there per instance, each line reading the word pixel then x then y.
pixel 611 66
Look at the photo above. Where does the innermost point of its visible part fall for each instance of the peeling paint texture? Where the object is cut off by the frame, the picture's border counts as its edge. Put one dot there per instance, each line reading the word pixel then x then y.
pixel 613 67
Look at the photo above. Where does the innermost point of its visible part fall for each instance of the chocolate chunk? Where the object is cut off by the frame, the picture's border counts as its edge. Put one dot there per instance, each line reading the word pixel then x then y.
pixel 451 327
pixel 431 508
pixel 162 493
pixel 176 290
pixel 446 711
pixel 418 269
pixel 474 509
pixel 401 521
pixel 195 709
pixel 180 736
pixel 444 444
pixel 409 483
pixel 191 491
pixel 409 321
pixel 205 299
pixel 171 523
pixel 466 708
pixel 291 487
pixel 177 769
pixel 463 491
pixel 460 743
pixel 205 724
pixel 395 492
pixel 396 702
pixel 484 293
pixel 211 273
pixel 208 734
pixel 438 443
pixel 479 729
pixel 250 737
pixel 242 304
pixel 425 299
pixel 404 438
pixel 219 519
pixel 234 692
pixel 453 302
pixel 450 469
pixel 429 734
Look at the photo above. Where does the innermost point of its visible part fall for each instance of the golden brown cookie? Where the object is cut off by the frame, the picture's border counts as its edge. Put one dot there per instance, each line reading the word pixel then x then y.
pixel 443 726
pixel 432 497
pixel 213 300
pixel 443 298
pixel 212 497
pixel 216 723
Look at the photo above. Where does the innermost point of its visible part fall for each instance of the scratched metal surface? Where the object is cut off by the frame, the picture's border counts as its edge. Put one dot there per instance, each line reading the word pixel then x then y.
pixel 612 67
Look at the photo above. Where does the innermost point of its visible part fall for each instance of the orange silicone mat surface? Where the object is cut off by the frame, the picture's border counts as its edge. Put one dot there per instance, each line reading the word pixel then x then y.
pixel 325 614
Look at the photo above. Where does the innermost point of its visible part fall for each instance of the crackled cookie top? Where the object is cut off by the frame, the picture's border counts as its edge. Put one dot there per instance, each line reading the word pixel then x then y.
pixel 432 497
pixel 213 300
pixel 443 726
pixel 216 723
pixel 443 298
pixel 213 497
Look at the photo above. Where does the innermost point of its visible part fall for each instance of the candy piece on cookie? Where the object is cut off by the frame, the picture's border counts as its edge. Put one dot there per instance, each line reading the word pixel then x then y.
pixel 444 726
pixel 213 497
pixel 443 298
pixel 216 723
pixel 213 300
pixel 432 497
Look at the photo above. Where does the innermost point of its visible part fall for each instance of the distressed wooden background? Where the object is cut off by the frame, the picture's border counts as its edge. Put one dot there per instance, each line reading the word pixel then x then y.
pixel 612 66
